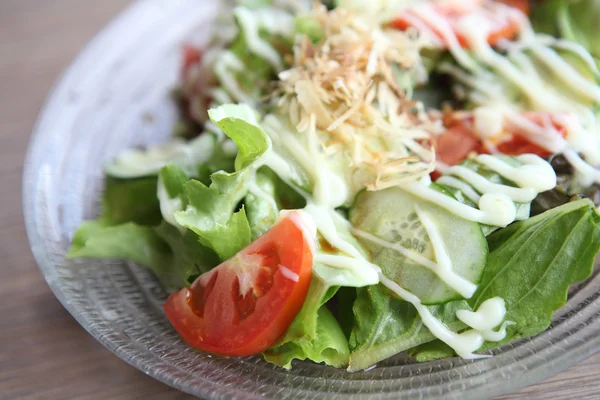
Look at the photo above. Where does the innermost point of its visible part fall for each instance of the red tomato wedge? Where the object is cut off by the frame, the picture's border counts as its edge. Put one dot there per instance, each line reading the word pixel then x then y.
pixel 460 139
pixel 243 306
pixel 500 25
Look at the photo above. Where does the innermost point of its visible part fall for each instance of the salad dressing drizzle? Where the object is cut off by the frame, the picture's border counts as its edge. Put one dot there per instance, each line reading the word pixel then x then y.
pixel 518 68
pixel 488 316
pixel 496 204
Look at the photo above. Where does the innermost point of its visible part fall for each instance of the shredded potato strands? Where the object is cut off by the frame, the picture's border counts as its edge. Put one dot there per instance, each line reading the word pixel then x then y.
pixel 346 85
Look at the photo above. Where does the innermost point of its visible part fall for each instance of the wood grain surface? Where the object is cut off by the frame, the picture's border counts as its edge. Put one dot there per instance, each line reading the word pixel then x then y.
pixel 44 353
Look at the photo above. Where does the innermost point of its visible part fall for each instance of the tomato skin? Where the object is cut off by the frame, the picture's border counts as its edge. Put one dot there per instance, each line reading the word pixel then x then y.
pixel 213 315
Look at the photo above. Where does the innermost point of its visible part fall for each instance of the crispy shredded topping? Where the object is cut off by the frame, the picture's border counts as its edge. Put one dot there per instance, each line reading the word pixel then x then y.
pixel 347 83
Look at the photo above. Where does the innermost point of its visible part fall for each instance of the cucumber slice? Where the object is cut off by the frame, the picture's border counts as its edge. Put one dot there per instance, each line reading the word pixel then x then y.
pixel 391 215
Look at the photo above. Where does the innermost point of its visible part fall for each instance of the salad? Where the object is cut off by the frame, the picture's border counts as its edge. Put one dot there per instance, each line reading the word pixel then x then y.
pixel 356 179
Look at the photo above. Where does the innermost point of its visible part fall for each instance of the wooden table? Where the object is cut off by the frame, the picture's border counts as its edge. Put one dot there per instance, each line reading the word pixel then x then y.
pixel 44 353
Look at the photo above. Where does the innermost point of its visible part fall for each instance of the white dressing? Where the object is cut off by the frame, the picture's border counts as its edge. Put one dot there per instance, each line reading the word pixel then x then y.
pixel 494 209
pixel 497 202
pixel 496 336
pixel 443 267
pixel 326 227
pixel 361 268
pixel 535 173
pixel 464 187
pixel 488 121
pixel 488 316
pixel 464 344
pixel 482 185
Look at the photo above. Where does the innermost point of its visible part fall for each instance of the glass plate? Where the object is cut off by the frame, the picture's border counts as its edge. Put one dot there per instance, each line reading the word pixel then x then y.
pixel 117 95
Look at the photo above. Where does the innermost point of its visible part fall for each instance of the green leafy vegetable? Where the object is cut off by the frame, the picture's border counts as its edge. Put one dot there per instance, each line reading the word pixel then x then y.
pixel 574 20
pixel 190 258
pixel 314 334
pixel 137 163
pixel 211 211
pixel 130 201
pixel 174 179
pixel 261 203
pixel 531 265
pixel 128 241
pixel 240 123
pixel 174 259
pixel 210 214
pixel 385 326
pixel 254 77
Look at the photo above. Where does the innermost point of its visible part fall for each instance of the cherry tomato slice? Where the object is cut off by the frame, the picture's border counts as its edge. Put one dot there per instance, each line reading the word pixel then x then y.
pixel 243 306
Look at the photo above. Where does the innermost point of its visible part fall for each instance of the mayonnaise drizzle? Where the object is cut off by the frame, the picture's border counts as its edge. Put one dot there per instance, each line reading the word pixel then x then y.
pixel 463 343
pixel 465 188
pixel 497 202
pixel 443 267
pixel 535 173
pixel 521 68
pixel 494 209
pixel 488 316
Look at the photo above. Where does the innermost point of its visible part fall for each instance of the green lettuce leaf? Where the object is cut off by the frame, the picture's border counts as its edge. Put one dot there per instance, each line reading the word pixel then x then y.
pixel 329 345
pixel 314 334
pixel 174 179
pixel 176 260
pixel 137 163
pixel 211 214
pixel 574 20
pixel 128 241
pixel 212 211
pixel 531 265
pixel 240 122
pixel 262 204
pixel 189 258
pixel 131 200
pixel 385 326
